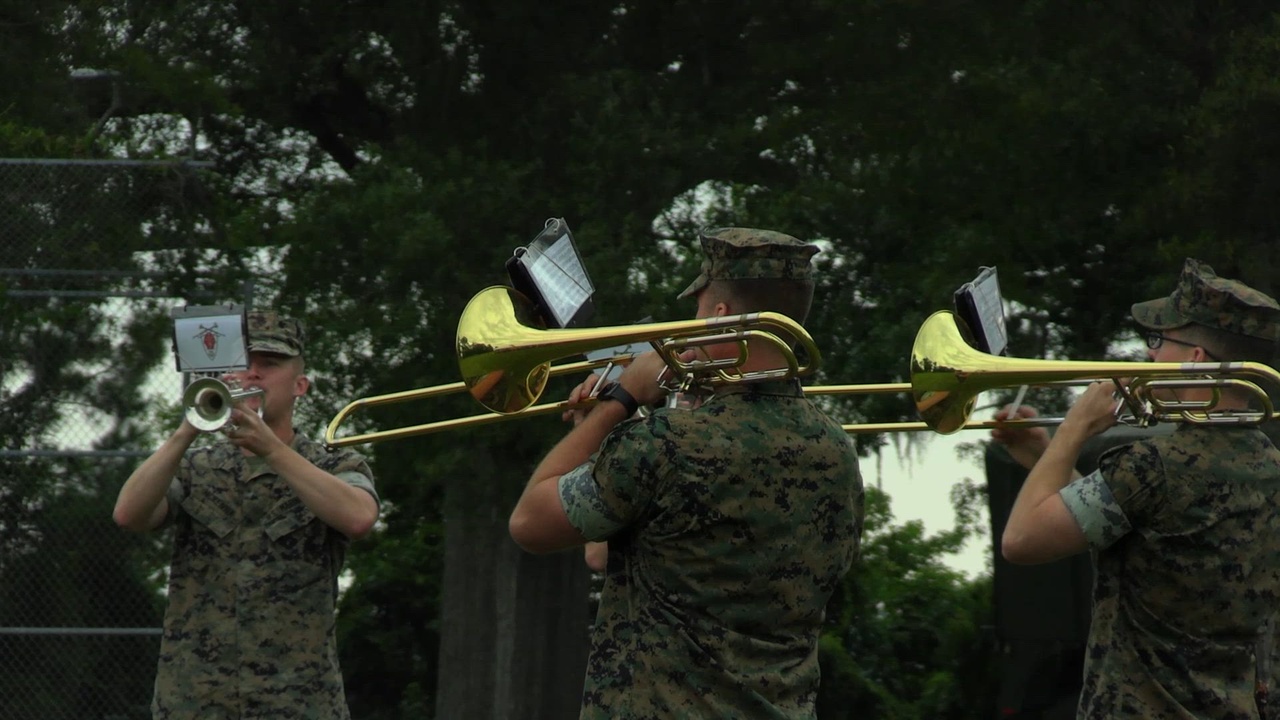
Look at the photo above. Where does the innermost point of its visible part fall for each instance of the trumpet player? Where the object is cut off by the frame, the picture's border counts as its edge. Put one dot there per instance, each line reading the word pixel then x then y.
pixel 261 522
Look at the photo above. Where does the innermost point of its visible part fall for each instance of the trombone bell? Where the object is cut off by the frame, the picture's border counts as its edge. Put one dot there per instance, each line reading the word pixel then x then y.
pixel 499 340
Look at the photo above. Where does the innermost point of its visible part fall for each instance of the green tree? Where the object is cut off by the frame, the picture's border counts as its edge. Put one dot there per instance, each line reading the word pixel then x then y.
pixel 908 637
pixel 392 154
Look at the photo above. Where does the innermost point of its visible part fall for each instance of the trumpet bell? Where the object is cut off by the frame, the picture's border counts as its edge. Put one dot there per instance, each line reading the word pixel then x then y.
pixel 206 404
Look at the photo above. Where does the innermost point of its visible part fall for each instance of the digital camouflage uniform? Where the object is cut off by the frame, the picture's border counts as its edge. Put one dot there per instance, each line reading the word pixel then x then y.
pixel 249 629
pixel 1187 540
pixel 729 527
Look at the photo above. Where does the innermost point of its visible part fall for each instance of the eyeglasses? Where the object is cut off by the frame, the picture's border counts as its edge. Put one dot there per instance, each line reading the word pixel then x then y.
pixel 1155 339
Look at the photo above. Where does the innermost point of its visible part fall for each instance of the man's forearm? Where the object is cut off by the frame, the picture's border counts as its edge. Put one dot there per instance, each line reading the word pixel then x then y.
pixel 1053 471
pixel 346 508
pixel 138 506
pixel 538 521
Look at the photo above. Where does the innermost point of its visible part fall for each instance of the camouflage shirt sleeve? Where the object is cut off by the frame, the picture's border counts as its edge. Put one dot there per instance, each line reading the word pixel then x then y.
pixel 360 480
pixel 177 492
pixel 1096 511
pixel 585 506
pixel 1124 492
pixel 1136 476
pixel 345 464
pixel 612 489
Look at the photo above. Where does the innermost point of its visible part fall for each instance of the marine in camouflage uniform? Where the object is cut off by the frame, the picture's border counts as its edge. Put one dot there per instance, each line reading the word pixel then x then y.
pixel 729 527
pixel 249 628
pixel 1187 536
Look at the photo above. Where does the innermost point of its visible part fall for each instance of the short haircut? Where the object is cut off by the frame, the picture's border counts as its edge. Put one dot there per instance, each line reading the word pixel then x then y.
pixel 792 298
pixel 1228 346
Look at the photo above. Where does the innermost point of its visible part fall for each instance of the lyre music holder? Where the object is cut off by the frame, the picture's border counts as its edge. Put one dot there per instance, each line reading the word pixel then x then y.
pixel 210 339
pixel 981 306
pixel 550 272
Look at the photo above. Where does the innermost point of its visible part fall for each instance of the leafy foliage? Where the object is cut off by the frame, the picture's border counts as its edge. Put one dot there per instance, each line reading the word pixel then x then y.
pixel 909 636
pixel 382 159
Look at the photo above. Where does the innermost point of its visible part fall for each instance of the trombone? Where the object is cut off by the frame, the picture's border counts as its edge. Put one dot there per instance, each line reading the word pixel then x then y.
pixel 506 362
pixel 947 375
pixel 505 358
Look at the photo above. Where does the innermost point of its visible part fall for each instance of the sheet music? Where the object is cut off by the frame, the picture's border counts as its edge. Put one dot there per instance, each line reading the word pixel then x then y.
pixel 988 305
pixel 560 276
pixel 991 313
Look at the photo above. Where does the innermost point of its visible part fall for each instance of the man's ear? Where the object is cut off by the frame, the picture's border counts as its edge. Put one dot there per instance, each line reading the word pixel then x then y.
pixel 722 309
pixel 301 385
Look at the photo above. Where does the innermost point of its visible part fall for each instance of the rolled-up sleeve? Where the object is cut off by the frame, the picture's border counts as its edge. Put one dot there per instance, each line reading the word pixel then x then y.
pixel 612 489
pixel 1094 507
pixel 585 505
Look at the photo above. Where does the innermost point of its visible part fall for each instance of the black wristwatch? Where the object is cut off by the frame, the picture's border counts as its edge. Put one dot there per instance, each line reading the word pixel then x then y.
pixel 614 391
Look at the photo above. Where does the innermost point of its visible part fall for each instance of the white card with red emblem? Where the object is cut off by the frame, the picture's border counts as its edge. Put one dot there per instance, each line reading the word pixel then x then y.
pixel 210 339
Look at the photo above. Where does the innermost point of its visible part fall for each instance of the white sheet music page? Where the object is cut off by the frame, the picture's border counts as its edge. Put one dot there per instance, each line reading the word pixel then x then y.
pixel 990 307
pixel 560 276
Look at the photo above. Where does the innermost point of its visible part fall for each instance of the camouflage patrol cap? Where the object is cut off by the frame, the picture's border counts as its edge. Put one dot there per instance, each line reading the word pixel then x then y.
pixel 1206 299
pixel 271 333
pixel 747 253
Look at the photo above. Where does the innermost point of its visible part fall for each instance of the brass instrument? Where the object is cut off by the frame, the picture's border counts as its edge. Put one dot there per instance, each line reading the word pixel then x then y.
pixel 505 358
pixel 509 361
pixel 947 375
pixel 207 402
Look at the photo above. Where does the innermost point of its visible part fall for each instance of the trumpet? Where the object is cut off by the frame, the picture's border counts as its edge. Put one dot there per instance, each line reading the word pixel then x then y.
pixel 207 402
pixel 505 358
pixel 947 375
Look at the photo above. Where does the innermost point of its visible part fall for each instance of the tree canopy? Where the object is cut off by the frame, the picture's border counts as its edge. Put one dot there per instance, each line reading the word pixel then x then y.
pixel 381 160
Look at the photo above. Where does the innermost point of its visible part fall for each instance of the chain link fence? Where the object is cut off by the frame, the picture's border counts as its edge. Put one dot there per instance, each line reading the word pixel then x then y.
pixel 92 256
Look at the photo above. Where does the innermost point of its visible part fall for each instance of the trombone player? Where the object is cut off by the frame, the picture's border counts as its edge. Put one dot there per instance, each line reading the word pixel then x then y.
pixel 1185 528
pixel 729 525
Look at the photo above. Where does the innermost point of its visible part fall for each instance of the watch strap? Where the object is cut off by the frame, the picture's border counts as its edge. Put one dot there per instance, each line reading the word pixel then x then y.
pixel 614 391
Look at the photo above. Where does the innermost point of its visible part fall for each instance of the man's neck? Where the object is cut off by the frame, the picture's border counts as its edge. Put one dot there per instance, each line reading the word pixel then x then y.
pixel 1228 399
pixel 762 356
